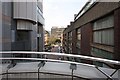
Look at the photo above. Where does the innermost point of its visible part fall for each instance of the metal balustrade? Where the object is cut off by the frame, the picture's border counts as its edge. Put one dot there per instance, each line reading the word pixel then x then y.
pixel 38 68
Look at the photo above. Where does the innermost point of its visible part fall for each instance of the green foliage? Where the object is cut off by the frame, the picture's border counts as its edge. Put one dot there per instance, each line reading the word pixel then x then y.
pixel 57 41
pixel 53 40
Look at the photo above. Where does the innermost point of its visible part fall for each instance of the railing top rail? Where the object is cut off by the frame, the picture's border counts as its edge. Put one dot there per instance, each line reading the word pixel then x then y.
pixel 65 55
pixel 49 60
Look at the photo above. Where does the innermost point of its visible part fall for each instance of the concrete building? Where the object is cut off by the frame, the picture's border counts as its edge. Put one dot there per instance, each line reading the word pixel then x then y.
pixel 95 32
pixel 22 26
pixel 57 33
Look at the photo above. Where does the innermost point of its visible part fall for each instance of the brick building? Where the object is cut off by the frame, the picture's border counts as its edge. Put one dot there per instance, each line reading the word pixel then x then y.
pixel 95 32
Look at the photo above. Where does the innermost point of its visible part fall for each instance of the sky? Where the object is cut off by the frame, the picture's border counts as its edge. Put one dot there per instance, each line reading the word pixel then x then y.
pixel 60 12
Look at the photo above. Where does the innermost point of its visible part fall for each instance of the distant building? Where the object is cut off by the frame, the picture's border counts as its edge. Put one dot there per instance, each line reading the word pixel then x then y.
pixel 46 37
pixel 57 33
pixel 22 26
pixel 95 32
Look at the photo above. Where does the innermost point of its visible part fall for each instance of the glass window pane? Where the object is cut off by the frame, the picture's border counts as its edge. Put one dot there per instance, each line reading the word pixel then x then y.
pixel 102 35
pixel 104 23
pixel 108 37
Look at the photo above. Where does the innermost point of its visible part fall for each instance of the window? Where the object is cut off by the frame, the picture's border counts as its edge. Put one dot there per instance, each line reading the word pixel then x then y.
pixel 70 41
pixel 103 35
pixel 103 31
pixel 78 44
pixel 39 11
pixel 78 37
pixel 102 53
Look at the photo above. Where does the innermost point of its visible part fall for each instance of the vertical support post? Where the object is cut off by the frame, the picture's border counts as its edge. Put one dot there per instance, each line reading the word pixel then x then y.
pixel 7 74
pixel 72 74
pixel 73 67
pixel 38 73
pixel 41 64
pixel 119 74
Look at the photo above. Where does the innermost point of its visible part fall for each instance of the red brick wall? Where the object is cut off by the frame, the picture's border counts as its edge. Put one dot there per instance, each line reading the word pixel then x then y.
pixel 74 39
pixel 86 31
pixel 97 11
pixel 117 34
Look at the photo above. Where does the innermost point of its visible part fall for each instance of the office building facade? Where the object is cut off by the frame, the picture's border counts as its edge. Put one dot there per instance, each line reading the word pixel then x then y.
pixel 22 26
pixel 95 32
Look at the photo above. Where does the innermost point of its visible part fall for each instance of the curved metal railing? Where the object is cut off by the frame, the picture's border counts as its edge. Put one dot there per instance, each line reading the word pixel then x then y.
pixel 60 54
pixel 72 63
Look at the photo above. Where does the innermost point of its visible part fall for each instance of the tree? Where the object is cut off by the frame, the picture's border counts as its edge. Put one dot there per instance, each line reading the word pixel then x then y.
pixel 52 40
pixel 57 41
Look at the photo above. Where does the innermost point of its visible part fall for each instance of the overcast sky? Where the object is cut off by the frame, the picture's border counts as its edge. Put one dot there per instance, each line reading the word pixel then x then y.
pixel 60 12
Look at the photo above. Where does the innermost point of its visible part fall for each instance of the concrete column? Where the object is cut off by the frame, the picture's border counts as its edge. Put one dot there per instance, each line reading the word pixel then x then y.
pixel 41 38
